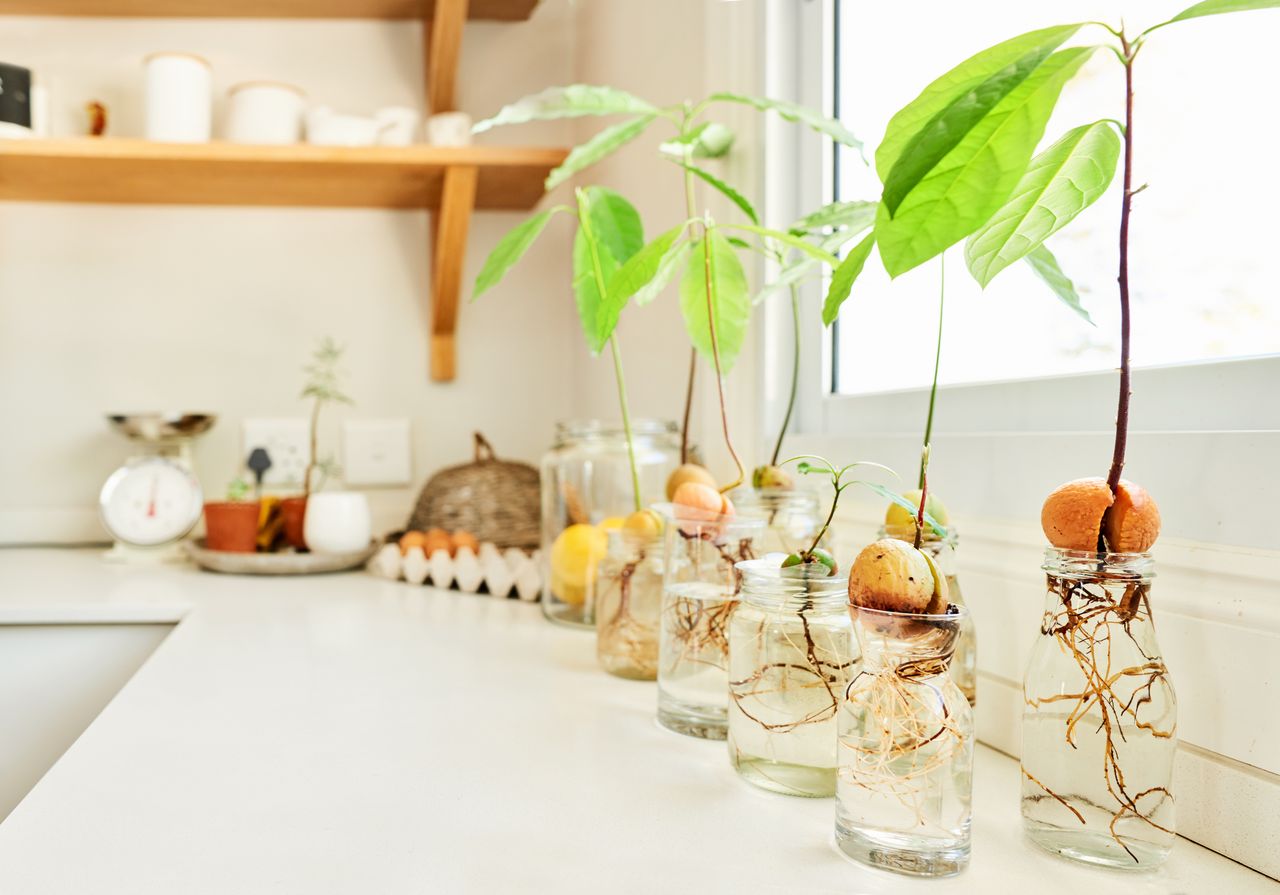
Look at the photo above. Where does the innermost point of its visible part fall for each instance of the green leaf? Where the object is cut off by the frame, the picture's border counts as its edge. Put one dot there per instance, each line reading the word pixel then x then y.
pixel 791 275
pixel 724 189
pixel 845 274
pixel 601 145
pixel 509 250
pixel 858 215
pixel 609 233
pixel 908 121
pixel 1217 7
pixel 1060 183
pixel 573 101
pixel 730 304
pixel 913 508
pixel 796 242
pixel 707 140
pixel 642 267
pixel 1046 266
pixel 968 186
pixel 667 268
pixel 946 130
pixel 792 112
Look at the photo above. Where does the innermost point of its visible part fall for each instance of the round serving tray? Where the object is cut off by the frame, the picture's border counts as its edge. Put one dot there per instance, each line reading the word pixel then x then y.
pixel 277 563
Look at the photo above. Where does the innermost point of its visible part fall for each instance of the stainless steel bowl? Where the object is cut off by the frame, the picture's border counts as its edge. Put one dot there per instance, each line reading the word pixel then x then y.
pixel 161 426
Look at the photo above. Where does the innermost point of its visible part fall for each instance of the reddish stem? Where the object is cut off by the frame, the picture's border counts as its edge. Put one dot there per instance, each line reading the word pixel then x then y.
pixel 1126 205
pixel 924 495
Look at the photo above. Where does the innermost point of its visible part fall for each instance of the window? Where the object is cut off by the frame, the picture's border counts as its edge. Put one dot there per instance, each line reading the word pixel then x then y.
pixel 1202 258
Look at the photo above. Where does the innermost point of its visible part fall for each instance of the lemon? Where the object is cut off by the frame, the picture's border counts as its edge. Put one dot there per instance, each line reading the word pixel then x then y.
pixel 574 556
pixel 612 523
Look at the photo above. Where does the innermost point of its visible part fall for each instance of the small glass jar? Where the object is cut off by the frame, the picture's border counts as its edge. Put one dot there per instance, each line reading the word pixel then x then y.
pixel 792 516
pixel 586 479
pixel 790 656
pixel 628 605
pixel 1099 722
pixel 699 596
pixel 904 798
pixel 964 664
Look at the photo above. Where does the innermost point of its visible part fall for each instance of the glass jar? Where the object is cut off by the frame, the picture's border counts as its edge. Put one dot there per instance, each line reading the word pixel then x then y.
pixel 790 656
pixel 1099 722
pixel 792 517
pixel 586 479
pixel 699 595
pixel 628 604
pixel 964 664
pixel 904 796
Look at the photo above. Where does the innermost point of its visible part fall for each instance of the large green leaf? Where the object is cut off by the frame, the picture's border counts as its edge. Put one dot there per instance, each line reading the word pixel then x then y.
pixel 642 267
pixel 509 250
pixel 1047 268
pixel 845 274
pixel 609 233
pixel 667 268
pixel 791 275
pixel 573 101
pixel 707 140
pixel 857 215
pixel 1061 182
pixel 615 222
pixel 908 121
pixel 792 112
pixel 724 189
pixel 715 282
pixel 962 192
pixel 602 144
pixel 790 239
pixel 946 130
pixel 1217 7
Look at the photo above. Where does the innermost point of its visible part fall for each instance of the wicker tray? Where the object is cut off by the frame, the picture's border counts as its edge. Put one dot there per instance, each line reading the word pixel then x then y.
pixel 276 563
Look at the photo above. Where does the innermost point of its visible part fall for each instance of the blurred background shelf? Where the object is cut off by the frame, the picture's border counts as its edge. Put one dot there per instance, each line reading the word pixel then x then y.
pixel 496 10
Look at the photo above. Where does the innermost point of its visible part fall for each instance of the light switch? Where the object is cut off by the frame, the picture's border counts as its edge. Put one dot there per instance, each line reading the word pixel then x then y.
pixel 376 452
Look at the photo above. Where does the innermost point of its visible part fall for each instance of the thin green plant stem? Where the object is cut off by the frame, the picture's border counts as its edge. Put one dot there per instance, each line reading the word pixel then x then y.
pixel 707 276
pixel 795 374
pixel 626 419
pixel 690 209
pixel 937 362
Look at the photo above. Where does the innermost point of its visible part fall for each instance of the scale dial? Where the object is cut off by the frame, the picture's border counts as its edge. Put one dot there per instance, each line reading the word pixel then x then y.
pixel 151 501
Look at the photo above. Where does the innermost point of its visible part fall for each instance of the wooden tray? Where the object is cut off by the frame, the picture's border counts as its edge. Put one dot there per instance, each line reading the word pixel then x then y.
pixel 277 563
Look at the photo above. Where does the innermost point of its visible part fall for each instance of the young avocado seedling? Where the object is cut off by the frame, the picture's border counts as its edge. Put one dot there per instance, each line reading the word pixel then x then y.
pixel 815 554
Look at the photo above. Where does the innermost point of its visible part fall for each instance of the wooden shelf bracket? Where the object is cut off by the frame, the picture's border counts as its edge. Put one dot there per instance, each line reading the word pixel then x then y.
pixel 448 255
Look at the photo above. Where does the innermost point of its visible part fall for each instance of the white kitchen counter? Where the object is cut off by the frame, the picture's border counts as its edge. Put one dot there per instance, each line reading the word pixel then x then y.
pixel 344 734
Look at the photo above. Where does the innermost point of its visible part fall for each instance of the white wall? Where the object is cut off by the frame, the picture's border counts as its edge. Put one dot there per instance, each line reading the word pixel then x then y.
pixel 106 308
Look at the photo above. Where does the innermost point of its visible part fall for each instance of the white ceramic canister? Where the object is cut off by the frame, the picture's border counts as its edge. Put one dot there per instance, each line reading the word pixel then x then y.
pixel 449 129
pixel 337 522
pixel 398 125
pixel 264 112
pixel 179 98
pixel 327 128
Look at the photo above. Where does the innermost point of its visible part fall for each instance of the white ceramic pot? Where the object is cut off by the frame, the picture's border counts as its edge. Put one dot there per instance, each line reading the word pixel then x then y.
pixel 337 522
pixel 264 112
pixel 179 98
pixel 327 128
pixel 399 125
pixel 449 129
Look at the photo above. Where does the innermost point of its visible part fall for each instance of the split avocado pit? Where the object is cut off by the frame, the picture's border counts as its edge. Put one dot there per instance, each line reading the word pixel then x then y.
pixel 1084 515
pixel 893 576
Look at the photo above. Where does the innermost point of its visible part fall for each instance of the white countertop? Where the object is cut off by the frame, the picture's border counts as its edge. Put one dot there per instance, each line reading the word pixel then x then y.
pixel 343 734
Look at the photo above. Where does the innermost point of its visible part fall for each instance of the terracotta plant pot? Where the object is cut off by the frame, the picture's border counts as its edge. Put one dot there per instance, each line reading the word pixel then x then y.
pixel 231 526
pixel 294 512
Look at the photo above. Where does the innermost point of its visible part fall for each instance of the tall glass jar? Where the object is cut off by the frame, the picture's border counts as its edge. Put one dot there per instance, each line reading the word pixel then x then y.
pixel 904 798
pixel 1099 723
pixel 700 594
pixel 964 664
pixel 790 656
pixel 628 605
pixel 586 480
pixel 792 516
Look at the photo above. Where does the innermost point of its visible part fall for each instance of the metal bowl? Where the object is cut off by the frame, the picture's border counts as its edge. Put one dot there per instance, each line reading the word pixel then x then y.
pixel 161 426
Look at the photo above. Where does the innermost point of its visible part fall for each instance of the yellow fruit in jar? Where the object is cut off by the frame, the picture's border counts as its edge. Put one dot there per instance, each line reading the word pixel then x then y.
pixel 612 523
pixel 575 554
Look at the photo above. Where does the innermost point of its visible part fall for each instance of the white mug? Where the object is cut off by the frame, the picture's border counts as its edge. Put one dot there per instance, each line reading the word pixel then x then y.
pixel 179 98
pixel 337 522
pixel 264 112
pixel 399 125
pixel 449 129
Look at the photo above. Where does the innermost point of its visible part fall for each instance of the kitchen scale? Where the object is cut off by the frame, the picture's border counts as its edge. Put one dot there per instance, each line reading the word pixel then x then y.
pixel 154 500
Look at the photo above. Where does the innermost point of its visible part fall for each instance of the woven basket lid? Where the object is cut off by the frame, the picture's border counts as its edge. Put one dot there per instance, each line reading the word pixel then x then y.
pixel 496 500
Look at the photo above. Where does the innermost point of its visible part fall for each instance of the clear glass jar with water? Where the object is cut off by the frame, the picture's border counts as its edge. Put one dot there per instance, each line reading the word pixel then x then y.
pixel 792 517
pixel 628 605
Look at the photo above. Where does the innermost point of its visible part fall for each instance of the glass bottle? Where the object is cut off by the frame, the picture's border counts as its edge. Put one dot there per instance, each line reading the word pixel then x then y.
pixel 586 480
pixel 628 605
pixel 964 664
pixel 792 516
pixel 1099 722
pixel 790 655
pixel 905 782
pixel 700 593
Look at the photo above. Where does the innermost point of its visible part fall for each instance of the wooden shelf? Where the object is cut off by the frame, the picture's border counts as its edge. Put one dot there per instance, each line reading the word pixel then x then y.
pixel 496 10
pixel 141 172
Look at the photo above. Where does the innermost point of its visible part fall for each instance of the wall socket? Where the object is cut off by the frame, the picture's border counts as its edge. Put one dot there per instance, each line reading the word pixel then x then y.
pixel 376 452
pixel 286 441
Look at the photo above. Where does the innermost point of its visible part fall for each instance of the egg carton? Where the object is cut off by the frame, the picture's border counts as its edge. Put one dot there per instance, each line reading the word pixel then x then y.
pixel 503 573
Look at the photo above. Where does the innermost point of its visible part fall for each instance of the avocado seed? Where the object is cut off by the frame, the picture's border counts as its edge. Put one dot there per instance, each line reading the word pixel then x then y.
pixel 891 575
pixel 816 557
pixel 1073 513
pixel 688 472
pixel 771 478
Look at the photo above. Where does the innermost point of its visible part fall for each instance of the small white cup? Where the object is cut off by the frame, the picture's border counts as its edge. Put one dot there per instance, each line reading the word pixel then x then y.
pixel 327 128
pixel 399 125
pixel 337 522
pixel 449 129
pixel 179 98
pixel 264 112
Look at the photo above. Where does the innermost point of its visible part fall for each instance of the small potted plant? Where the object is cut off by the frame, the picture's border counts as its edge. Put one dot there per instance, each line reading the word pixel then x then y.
pixel 323 386
pixel 231 525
